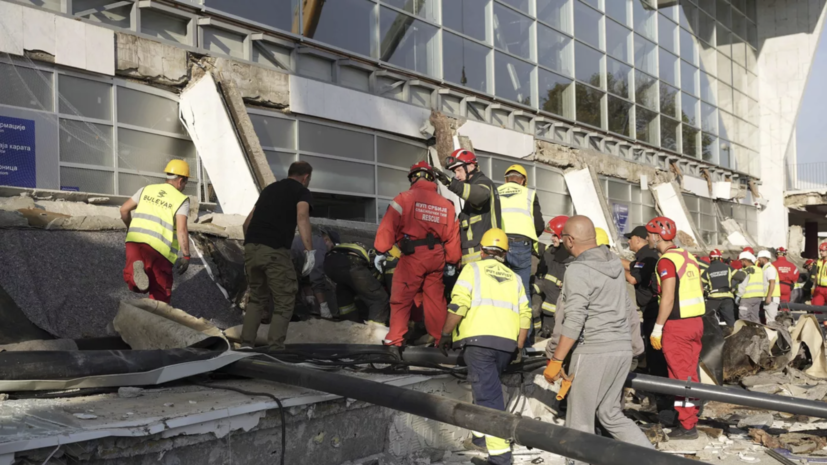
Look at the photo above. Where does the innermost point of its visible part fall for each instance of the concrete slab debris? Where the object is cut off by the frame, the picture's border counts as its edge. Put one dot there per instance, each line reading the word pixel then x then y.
pixel 319 331
pixel 150 60
pixel 162 327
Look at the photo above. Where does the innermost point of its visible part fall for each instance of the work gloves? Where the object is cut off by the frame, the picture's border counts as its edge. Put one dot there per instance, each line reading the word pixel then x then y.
pixel 553 370
pixel 309 262
pixel 656 337
pixel 442 177
pixel 181 265
pixel 446 341
pixel 450 270
pixel 378 261
pixel 325 311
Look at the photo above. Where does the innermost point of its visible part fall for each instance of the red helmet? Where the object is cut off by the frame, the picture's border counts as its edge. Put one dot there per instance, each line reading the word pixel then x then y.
pixel 419 170
pixel 822 246
pixel 663 226
pixel 749 249
pixel 809 262
pixel 715 254
pixel 706 260
pixel 781 251
pixel 460 157
pixel 555 226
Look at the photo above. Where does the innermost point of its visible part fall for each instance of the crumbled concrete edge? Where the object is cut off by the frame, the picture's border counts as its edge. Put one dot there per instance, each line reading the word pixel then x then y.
pixel 151 61
pixel 800 200
pixel 443 134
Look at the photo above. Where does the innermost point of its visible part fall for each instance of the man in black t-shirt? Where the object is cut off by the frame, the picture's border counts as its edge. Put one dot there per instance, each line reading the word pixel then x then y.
pixel 268 231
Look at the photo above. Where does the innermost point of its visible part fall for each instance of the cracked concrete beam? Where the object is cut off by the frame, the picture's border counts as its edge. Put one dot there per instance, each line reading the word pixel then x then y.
pixel 800 200
pixel 606 165
pixel 148 60
pixel 257 85
pixel 444 135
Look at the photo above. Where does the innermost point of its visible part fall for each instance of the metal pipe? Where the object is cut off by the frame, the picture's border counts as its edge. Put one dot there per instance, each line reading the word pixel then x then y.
pixel 549 437
pixel 728 395
pixel 804 307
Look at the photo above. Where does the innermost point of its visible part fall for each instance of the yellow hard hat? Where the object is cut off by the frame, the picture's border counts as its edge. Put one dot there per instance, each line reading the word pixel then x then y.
pixel 495 237
pixel 518 169
pixel 601 236
pixel 178 167
pixel 395 252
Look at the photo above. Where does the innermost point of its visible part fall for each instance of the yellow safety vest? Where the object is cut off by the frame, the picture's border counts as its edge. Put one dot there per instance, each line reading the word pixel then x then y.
pixel 777 291
pixel 690 292
pixel 755 283
pixel 153 222
pixel 491 299
pixel 354 249
pixel 517 205
pixel 820 276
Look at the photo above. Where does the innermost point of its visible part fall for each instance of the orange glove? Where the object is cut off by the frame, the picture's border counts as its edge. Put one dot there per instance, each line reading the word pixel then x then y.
pixel 552 371
pixel 564 388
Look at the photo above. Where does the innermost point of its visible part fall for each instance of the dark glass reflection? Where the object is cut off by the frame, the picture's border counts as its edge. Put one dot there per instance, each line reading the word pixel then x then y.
pixel 553 93
pixel 465 16
pixel 464 62
pixel 280 14
pixel 588 104
pixel 619 115
pixel 346 24
pixel 617 78
pixel 669 133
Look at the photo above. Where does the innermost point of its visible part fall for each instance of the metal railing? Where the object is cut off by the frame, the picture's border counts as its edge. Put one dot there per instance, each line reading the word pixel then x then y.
pixel 806 176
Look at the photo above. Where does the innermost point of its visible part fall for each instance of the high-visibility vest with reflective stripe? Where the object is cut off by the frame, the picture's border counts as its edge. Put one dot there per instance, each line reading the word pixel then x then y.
pixel 718 279
pixel 153 222
pixel 755 283
pixel 777 291
pixel 690 301
pixel 821 273
pixel 354 249
pixel 495 301
pixel 517 205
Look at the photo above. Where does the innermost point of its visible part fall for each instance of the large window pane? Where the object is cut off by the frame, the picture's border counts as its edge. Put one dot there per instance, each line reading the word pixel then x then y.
pixel 555 94
pixel 82 97
pixel 668 67
pixel 646 90
pixel 708 88
pixel 330 140
pixel 422 8
pixel 522 5
pixel 689 46
pixel 739 51
pixel 25 87
pixel 708 6
pixel 725 125
pixel 646 56
pixel 588 65
pixel 646 125
pixel 709 148
pixel 148 111
pixel 346 24
pixel 724 69
pixel 342 176
pixel 669 133
pixel 690 141
pixel 724 96
pixel 618 10
pixel 688 78
pixel 513 78
pixel 617 41
pixel 396 153
pixel 723 13
pixel 465 16
pixel 465 62
pixel 150 152
pixel 555 13
pixel 554 204
pixel 86 143
pixel 279 162
pixel 554 50
pixel 392 182
pixel 550 180
pixel 619 116
pixel 587 25
pixel 512 31
pixel 618 78
pixel 688 15
pixel 644 17
pixel 668 100
pixel 98 182
pixel 668 35
pixel 274 132
pixel 588 105
pixel 278 14
pixel 725 154
pixel 708 58
pixel 706 28
pixel 709 118
pixel 689 109
pixel 408 43
pixel 739 24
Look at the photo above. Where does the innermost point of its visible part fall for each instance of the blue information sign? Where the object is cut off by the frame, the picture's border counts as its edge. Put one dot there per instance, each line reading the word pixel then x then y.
pixel 17 152
pixel 620 215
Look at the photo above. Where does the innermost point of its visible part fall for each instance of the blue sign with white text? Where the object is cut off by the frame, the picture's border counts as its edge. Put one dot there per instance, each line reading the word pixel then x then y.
pixel 620 215
pixel 17 152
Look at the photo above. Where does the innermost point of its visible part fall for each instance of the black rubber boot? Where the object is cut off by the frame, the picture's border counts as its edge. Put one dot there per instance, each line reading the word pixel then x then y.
pixel 679 434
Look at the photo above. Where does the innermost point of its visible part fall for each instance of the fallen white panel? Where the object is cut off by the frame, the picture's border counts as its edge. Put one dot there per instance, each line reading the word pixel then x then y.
pixel 722 190
pixel 309 97
pixel 498 140
pixel 670 202
pixel 11 28
pixel 38 30
pixel 70 42
pixel 586 199
pixel 737 239
pixel 211 129
pixel 697 186
pixel 100 50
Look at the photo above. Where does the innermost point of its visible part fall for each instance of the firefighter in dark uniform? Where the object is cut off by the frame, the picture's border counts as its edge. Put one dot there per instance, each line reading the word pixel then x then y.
pixel 717 279
pixel 350 267
pixel 549 277
pixel 481 210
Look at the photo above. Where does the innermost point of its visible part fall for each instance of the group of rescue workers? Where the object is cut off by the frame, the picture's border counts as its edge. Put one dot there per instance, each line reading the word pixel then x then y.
pixel 577 296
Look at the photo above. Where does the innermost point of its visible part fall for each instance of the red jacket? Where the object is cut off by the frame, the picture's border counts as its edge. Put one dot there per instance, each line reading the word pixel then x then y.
pixel 787 273
pixel 415 213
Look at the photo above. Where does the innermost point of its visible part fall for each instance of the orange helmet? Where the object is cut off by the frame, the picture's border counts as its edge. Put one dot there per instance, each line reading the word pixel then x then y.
pixel 556 224
pixel 664 227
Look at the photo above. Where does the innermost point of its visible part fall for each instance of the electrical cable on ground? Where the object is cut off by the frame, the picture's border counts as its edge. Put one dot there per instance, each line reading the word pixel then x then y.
pixel 259 394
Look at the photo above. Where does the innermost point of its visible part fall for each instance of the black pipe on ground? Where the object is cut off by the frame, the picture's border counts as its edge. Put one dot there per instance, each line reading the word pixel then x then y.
pixel 804 307
pixel 728 395
pixel 587 447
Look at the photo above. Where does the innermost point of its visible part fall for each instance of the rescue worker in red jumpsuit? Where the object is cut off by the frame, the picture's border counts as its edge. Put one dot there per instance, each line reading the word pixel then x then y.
pixel 819 273
pixel 424 225
pixel 787 275
pixel 679 327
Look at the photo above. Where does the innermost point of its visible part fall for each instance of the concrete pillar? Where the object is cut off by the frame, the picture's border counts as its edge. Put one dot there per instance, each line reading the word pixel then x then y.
pixel 810 240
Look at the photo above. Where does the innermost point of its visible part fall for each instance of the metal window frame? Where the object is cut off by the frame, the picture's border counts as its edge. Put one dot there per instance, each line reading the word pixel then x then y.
pixel 192 19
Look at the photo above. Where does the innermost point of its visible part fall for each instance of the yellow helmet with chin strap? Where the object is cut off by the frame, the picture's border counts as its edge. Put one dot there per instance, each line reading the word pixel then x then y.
pixel 178 168
pixel 601 237
pixel 494 238
pixel 516 169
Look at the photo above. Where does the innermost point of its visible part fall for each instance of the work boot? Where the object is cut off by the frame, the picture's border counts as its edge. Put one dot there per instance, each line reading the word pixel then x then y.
pixel 139 276
pixel 679 434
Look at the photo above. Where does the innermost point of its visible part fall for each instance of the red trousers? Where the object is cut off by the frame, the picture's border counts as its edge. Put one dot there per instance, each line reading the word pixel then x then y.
pixel 157 267
pixel 420 272
pixel 819 295
pixel 682 348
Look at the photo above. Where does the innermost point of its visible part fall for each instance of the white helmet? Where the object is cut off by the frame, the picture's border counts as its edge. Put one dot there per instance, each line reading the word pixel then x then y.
pixel 765 254
pixel 746 256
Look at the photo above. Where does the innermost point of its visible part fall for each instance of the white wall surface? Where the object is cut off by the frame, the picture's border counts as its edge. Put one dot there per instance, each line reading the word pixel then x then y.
pixel 697 186
pixel 209 125
pixel 501 141
pixel 669 200
pixel 586 200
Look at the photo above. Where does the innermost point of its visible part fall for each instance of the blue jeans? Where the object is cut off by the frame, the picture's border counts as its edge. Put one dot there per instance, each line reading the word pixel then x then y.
pixel 484 368
pixel 519 260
